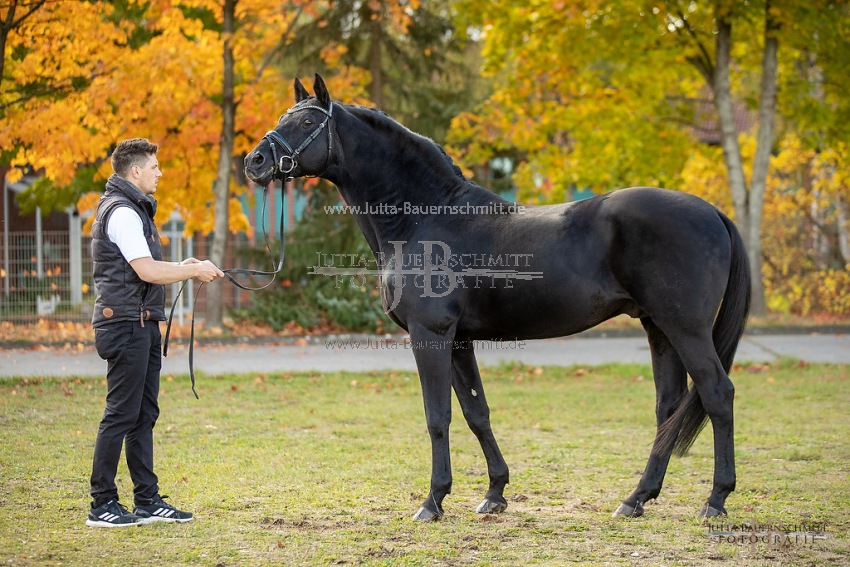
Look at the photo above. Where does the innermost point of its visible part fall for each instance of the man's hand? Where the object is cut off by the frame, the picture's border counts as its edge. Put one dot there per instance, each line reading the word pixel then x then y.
pixel 206 270
pixel 156 272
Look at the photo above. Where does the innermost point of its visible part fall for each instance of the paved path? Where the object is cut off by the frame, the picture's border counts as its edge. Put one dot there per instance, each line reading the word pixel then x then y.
pixel 376 354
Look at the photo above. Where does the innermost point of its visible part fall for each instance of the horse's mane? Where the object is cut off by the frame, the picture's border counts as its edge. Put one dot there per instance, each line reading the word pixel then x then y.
pixel 381 120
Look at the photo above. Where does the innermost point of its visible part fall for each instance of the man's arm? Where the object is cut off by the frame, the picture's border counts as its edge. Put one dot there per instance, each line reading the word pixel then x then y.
pixel 156 272
pixel 124 228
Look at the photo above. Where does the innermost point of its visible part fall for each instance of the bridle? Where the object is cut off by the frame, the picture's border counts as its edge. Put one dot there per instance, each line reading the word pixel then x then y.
pixel 278 172
pixel 274 139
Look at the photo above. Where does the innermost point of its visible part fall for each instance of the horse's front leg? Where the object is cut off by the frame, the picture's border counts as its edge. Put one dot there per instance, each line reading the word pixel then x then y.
pixel 433 353
pixel 466 381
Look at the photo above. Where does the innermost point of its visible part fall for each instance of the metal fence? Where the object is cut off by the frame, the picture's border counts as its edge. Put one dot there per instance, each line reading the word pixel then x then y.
pixel 38 281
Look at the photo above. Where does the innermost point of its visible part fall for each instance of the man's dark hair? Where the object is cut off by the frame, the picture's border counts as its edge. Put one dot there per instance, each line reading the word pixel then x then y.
pixel 131 152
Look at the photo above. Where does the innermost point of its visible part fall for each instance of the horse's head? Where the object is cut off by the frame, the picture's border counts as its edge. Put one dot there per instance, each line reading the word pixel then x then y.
pixel 288 151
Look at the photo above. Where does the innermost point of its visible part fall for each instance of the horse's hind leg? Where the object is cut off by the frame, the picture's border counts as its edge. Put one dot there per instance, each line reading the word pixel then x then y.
pixel 670 384
pixel 470 393
pixel 716 394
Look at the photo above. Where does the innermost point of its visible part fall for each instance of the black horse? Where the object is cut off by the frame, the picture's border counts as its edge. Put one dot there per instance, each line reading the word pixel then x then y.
pixel 666 257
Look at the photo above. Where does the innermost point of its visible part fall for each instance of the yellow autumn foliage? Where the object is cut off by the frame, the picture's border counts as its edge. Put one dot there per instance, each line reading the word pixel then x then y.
pixel 803 270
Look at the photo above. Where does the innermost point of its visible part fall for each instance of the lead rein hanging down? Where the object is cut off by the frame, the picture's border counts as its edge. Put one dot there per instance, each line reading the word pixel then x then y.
pixel 229 274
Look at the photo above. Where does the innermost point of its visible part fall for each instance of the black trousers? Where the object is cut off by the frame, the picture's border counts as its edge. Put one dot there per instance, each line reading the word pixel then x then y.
pixel 134 357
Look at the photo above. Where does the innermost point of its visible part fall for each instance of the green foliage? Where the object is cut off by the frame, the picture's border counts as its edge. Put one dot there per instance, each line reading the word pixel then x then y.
pixel 428 72
pixel 131 11
pixel 205 15
pixel 311 300
pixel 585 95
pixel 816 80
pixel 604 95
pixel 50 197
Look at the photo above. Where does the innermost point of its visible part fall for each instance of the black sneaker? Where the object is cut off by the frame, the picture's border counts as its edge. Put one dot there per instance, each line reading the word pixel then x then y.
pixel 113 514
pixel 160 511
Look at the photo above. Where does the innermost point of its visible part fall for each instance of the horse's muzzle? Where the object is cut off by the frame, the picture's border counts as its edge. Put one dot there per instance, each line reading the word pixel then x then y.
pixel 258 169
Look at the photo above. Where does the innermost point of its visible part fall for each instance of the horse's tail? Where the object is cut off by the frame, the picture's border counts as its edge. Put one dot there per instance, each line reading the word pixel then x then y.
pixel 682 428
pixel 732 317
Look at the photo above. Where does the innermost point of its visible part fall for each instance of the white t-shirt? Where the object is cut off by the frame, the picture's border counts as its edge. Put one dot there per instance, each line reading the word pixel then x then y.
pixel 125 229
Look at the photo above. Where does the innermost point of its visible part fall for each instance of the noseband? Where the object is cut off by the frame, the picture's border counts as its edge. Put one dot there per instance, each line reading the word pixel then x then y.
pixel 274 139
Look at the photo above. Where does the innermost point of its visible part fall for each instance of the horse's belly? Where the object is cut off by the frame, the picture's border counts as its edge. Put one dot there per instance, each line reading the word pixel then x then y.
pixel 539 315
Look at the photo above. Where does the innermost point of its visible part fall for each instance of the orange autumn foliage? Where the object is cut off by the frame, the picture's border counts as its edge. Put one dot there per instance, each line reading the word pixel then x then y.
pixel 166 89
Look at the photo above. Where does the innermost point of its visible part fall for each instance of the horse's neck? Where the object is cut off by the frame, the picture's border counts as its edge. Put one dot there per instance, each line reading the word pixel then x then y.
pixel 380 169
pixel 392 180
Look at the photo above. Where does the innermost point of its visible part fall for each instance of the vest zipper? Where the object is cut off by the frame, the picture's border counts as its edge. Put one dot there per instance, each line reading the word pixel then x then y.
pixel 142 305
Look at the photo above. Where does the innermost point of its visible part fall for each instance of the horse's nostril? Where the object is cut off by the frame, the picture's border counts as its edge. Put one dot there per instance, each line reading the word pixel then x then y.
pixel 257 159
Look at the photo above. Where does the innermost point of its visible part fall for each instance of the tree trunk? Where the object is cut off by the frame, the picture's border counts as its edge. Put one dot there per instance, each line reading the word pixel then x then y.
pixel 761 161
pixel 215 303
pixel 843 229
pixel 376 88
pixel 5 27
pixel 748 202
pixel 7 270
pixel 820 239
pixel 728 134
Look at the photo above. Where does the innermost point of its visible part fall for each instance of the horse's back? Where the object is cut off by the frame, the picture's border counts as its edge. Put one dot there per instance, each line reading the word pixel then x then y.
pixel 641 251
pixel 665 210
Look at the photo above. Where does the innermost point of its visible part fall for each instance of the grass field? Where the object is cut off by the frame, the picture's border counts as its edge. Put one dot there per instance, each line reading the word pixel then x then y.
pixel 327 469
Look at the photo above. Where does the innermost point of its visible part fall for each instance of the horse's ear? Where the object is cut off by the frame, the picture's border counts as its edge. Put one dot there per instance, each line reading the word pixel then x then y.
pixel 322 91
pixel 300 92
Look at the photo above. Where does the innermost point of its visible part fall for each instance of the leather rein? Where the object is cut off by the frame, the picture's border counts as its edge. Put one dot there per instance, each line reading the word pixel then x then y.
pixel 278 172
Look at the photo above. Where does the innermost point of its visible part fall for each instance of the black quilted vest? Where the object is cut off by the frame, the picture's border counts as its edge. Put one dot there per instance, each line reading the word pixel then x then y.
pixel 121 294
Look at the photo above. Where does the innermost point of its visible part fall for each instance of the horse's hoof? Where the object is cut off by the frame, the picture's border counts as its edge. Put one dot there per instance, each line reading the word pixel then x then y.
pixel 426 515
pixel 709 511
pixel 488 506
pixel 626 511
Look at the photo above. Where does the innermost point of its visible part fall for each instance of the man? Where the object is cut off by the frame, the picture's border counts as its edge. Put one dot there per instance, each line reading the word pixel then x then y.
pixel 130 275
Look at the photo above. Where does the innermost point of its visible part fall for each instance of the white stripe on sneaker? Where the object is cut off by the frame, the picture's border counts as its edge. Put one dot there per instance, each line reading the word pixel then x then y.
pixel 169 513
pixel 103 524
pixel 158 512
